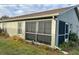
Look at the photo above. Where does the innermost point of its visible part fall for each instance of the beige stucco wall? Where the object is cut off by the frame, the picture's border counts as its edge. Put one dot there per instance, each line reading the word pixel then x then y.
pixel 12 28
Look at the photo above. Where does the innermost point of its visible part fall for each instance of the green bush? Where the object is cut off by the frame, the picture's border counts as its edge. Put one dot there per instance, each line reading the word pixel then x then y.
pixel 73 42
pixel 64 45
pixel 73 37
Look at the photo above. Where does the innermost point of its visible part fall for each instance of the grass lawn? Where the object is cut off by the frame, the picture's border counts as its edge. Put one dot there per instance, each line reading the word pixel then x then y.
pixel 74 51
pixel 13 47
pixel 9 46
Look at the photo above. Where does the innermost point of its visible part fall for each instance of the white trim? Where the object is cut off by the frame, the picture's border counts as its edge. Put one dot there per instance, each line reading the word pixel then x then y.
pixel 63 34
pixel 53 33
pixel 37 23
pixel 39 33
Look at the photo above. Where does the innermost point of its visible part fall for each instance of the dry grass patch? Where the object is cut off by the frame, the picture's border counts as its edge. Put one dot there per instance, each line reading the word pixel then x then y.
pixel 15 45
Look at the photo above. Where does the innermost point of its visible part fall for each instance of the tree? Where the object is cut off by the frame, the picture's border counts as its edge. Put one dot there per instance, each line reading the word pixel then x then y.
pixel 4 17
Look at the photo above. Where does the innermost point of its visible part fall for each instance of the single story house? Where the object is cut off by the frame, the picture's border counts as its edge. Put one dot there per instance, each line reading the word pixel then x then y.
pixel 48 27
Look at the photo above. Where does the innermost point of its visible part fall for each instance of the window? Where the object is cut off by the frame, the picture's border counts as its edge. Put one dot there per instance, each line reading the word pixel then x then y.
pixel 19 28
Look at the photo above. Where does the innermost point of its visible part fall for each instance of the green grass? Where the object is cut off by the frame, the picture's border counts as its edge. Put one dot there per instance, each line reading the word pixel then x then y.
pixel 13 47
pixel 74 51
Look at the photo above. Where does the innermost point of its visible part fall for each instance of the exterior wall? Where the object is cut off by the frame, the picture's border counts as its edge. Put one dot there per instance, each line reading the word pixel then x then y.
pixel 71 18
pixel 12 28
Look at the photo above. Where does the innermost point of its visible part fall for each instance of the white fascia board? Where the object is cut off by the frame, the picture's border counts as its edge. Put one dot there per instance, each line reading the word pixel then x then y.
pixel 20 18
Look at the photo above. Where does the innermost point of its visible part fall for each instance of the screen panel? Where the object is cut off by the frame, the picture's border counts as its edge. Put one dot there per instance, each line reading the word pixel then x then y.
pixel 31 27
pixel 44 39
pixel 47 27
pixel 30 36
pixel 61 40
pixel 41 27
pixel 44 27
pixel 61 27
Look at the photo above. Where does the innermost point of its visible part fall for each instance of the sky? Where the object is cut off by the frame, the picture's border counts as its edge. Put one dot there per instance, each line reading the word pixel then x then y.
pixel 21 9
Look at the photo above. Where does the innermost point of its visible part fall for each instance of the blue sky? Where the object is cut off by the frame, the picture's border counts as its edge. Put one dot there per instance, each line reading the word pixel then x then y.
pixel 20 9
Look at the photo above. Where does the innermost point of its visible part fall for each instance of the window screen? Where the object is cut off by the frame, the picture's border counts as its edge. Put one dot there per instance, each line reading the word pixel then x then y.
pixel 44 27
pixel 60 40
pixel 30 36
pixel 41 27
pixel 63 32
pixel 44 39
pixel 30 26
pixel 61 27
pixel 33 27
pixel 47 27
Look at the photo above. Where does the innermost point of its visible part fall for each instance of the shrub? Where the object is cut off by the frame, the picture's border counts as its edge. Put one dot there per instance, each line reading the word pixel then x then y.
pixel 73 42
pixel 64 46
pixel 73 37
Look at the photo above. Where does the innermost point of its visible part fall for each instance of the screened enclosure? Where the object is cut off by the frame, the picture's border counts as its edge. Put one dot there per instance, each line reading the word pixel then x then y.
pixel 39 31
